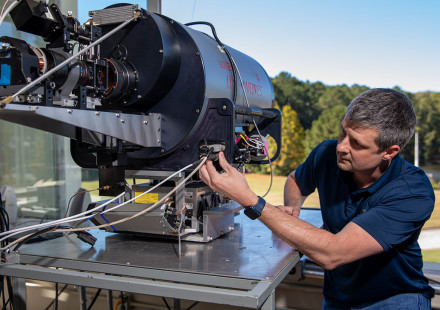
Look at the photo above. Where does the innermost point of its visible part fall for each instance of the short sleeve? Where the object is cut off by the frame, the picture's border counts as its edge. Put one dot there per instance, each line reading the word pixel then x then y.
pixel 396 220
pixel 305 175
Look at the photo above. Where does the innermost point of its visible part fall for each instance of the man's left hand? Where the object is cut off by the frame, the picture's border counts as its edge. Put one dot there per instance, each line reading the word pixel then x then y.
pixel 229 182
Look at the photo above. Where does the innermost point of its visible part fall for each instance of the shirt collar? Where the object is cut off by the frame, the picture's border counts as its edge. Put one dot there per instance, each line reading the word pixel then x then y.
pixel 392 172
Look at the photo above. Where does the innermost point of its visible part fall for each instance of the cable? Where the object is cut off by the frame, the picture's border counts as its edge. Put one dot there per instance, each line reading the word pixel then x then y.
pixel 60 221
pixel 65 62
pixel 235 68
pixel 9 9
pixel 94 299
pixel 52 302
pixel 166 303
pixel 202 161
pixel 214 33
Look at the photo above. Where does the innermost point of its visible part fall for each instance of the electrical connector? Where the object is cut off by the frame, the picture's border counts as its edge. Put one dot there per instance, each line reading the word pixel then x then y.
pixel 86 237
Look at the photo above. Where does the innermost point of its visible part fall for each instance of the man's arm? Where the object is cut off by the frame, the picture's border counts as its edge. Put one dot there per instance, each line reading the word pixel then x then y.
pixel 327 249
pixel 293 200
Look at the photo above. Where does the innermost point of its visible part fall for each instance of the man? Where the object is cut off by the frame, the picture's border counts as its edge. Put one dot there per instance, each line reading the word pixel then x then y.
pixel 373 205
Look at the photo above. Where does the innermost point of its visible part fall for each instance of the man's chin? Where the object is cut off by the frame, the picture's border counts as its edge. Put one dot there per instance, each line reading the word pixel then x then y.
pixel 344 165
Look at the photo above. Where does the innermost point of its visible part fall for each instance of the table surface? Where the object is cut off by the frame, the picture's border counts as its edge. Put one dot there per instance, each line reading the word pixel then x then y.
pixel 250 251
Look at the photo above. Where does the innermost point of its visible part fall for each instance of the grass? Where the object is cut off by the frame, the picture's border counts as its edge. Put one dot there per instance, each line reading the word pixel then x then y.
pixel 431 256
pixel 260 183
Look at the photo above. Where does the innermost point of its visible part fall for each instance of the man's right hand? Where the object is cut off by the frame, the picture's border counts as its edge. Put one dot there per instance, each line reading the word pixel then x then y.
pixel 293 211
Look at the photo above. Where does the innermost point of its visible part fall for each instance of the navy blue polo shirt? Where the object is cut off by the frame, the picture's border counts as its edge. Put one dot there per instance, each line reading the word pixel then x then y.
pixel 392 210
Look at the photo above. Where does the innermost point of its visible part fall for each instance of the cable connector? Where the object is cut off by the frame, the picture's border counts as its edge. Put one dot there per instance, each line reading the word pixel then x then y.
pixel 86 237
pixel 5 101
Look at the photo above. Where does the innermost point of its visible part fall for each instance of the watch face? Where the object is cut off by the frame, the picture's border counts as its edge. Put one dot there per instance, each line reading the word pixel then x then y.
pixel 252 213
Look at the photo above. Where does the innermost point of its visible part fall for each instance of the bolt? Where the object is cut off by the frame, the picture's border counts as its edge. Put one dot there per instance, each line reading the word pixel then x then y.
pixel 122 120
pixel 158 140
pixel 197 111
pixel 197 53
pixel 172 21
pixel 28 79
pixel 145 122
pixel 139 96
pixel 160 51
pixel 162 151
pixel 69 13
pixel 224 107
pixel 209 238
pixel 97 113
pixel 69 111
pixel 117 115
pixel 231 228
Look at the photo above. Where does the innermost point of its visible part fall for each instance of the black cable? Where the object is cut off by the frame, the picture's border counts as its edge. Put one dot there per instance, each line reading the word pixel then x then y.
pixel 165 301
pixel 56 295
pixel 36 234
pixel 214 33
pixel 3 292
pixel 193 305
pixel 51 303
pixel 94 299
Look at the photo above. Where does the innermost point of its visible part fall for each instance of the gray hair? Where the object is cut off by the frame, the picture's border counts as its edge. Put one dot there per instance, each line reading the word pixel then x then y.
pixel 388 111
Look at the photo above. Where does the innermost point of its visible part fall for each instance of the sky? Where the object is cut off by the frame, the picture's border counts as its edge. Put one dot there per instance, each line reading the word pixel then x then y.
pixel 375 43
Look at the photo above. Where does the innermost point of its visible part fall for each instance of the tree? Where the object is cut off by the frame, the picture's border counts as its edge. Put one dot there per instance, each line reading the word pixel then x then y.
pixel 327 126
pixel 292 150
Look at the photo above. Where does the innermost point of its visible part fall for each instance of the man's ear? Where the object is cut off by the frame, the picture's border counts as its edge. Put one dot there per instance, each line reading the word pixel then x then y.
pixel 391 152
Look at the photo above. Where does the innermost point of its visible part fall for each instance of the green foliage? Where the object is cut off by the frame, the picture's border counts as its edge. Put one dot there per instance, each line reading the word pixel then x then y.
pixel 318 110
pixel 327 126
pixel 292 150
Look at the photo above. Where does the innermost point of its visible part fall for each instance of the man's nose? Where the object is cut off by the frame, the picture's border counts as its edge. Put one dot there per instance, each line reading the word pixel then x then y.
pixel 342 146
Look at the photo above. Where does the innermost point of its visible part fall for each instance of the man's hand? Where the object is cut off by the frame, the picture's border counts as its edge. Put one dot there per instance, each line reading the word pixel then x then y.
pixel 230 182
pixel 293 211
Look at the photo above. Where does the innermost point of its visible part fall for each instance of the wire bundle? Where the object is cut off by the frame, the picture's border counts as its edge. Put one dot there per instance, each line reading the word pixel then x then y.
pixel 55 226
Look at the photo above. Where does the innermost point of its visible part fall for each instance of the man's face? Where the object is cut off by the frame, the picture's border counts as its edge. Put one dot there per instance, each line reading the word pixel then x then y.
pixel 357 151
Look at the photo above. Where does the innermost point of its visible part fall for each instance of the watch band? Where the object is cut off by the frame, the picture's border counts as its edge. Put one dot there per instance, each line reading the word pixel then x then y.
pixel 254 212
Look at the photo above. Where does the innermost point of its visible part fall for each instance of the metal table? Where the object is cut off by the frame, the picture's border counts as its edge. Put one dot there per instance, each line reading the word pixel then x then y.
pixel 241 268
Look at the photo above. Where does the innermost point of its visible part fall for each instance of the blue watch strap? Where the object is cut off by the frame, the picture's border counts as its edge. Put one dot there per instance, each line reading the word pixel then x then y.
pixel 254 212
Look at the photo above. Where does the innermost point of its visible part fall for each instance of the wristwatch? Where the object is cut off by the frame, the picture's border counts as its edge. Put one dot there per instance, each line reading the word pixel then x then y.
pixel 254 212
